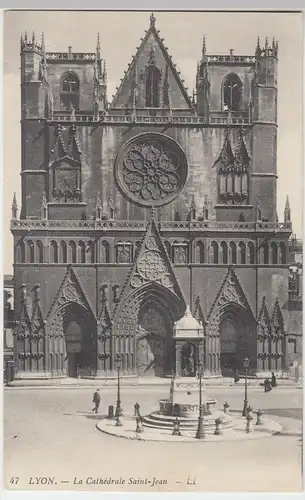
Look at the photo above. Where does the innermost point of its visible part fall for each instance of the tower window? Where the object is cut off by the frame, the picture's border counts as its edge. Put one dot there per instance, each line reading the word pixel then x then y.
pixel 153 79
pixel 70 91
pixel 232 92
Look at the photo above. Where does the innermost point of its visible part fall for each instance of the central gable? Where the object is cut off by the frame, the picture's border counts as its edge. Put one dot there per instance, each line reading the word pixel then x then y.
pixel 152 79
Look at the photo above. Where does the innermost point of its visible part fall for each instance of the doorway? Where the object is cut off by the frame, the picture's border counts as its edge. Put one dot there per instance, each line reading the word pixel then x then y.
pixel 228 346
pixel 79 340
pixel 154 342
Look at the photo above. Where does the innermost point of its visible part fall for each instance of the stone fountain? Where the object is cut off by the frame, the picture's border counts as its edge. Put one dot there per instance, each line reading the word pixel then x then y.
pixel 183 400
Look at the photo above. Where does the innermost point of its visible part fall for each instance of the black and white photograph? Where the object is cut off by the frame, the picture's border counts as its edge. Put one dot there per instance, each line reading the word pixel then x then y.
pixel 152 251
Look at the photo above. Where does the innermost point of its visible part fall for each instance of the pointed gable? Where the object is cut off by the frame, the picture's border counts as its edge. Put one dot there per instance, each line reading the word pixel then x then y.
pixel 263 321
pixel 277 323
pixel 69 291
pixel 226 158
pixel 152 265
pixel 242 157
pixel 152 68
pixel 230 292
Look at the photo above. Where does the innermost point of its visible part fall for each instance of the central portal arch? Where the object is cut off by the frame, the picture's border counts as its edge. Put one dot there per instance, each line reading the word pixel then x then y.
pixel 149 314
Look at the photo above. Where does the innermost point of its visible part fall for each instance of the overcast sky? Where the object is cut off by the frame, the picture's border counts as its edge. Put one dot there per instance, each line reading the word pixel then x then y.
pixel 120 34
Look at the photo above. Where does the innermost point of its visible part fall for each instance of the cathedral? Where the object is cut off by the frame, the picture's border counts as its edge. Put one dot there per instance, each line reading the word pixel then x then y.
pixel 156 207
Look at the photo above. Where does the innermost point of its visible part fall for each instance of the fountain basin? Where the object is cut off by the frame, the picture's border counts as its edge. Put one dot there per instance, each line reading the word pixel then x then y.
pixel 156 420
pixel 183 408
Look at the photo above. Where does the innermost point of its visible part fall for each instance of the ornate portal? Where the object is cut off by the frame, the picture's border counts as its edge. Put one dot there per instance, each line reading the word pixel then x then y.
pixel 151 169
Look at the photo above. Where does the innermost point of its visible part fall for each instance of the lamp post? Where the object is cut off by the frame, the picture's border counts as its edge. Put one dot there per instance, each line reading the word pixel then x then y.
pixel 246 364
pixel 118 411
pixel 200 434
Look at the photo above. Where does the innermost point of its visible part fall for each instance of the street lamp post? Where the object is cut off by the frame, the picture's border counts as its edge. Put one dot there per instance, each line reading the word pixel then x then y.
pixel 200 434
pixel 246 364
pixel 119 410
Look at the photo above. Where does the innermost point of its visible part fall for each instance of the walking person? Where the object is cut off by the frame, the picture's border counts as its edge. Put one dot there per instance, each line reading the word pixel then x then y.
pixel 96 401
pixel 273 380
pixel 267 385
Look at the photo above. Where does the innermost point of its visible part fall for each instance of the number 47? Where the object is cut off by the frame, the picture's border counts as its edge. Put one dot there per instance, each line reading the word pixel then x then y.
pixel 14 480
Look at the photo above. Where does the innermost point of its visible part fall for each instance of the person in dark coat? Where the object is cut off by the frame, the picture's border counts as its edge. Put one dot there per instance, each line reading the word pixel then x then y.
pixel 273 380
pixel 96 401
pixel 236 377
pixel 267 385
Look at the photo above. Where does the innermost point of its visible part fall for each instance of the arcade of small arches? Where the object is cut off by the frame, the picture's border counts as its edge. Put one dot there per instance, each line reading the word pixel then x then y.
pixel 124 252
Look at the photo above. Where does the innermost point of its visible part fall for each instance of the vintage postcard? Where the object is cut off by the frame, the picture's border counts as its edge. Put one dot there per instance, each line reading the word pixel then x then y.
pixel 153 251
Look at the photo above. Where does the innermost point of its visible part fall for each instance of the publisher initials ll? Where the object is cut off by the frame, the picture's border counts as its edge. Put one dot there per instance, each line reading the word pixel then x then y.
pixel 191 481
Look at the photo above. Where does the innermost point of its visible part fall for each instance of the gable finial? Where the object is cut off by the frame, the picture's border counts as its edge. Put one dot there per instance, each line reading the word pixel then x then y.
pixel 258 47
pixel 42 43
pixel 98 48
pixel 204 48
pixel 98 207
pixel 105 71
pixel 287 211
pixel 33 38
pixel 14 207
pixel 152 20
pixel 44 206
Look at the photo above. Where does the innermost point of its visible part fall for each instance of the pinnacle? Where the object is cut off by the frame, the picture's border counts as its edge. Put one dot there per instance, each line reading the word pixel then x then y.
pixel 204 49
pixel 152 20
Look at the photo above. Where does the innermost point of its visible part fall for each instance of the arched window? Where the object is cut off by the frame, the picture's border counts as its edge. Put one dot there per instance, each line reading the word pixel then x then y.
pixel 63 252
pixel 214 252
pixel 265 253
pixel 72 252
pixel 200 252
pixel 242 252
pixel 251 252
pixel 153 79
pixel 70 91
pixel 30 254
pixel 233 252
pixel 90 252
pixel 283 253
pixel 224 252
pixel 39 251
pixel 20 252
pixel 232 92
pixel 53 252
pixel 105 252
pixel 81 252
pixel 273 247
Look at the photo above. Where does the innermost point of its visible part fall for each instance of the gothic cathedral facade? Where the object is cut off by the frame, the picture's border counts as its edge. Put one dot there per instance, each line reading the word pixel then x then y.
pixel 136 209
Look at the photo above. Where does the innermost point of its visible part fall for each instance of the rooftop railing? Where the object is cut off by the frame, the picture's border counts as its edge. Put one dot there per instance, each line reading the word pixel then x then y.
pixel 122 225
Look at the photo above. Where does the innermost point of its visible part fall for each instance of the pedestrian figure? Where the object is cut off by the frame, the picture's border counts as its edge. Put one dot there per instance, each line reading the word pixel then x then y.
pixel 236 377
pixel 267 385
pixel 96 401
pixel 137 410
pixel 273 380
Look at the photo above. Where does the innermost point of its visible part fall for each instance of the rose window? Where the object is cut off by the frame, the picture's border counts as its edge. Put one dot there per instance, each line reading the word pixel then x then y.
pixel 151 169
